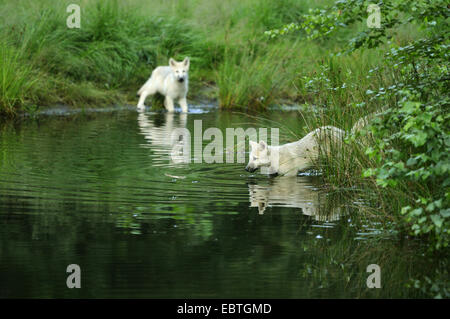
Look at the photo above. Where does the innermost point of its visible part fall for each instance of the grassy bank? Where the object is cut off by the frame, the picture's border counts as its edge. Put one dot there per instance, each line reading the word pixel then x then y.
pixel 44 63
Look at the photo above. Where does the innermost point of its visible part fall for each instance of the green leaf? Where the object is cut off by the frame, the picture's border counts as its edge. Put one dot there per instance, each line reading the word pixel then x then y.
pixel 416 212
pixel 445 212
pixel 437 220
pixel 418 139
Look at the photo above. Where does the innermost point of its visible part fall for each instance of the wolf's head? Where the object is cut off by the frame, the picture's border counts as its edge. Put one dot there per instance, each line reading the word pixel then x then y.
pixel 180 69
pixel 259 156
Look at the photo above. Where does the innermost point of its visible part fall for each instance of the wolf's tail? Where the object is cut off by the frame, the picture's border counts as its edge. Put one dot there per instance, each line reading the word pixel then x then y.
pixel 364 121
pixel 360 124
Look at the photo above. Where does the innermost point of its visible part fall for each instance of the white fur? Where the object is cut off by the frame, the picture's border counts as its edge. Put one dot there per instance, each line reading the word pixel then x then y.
pixel 289 159
pixel 170 81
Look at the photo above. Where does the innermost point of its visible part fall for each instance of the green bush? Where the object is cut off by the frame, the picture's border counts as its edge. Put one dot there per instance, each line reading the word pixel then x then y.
pixel 411 146
pixel 413 142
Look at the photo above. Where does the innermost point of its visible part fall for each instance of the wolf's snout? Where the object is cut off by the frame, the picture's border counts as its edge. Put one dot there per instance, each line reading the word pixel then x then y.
pixel 250 169
pixel 181 80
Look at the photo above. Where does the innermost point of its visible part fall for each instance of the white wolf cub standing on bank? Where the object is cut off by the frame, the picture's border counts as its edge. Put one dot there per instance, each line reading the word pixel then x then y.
pixel 170 81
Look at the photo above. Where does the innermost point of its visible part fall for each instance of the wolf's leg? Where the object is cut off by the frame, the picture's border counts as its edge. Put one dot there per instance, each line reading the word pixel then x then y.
pixel 142 98
pixel 168 103
pixel 183 104
pixel 148 89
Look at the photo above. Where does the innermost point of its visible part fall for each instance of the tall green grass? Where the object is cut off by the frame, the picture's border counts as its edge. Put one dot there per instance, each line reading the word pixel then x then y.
pixel 251 80
pixel 16 79
pixel 119 43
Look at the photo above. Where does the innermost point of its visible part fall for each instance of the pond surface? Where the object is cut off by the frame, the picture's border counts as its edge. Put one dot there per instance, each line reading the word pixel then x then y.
pixel 102 191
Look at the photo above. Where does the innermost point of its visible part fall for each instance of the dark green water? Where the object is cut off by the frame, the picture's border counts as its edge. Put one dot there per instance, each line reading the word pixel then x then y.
pixel 101 191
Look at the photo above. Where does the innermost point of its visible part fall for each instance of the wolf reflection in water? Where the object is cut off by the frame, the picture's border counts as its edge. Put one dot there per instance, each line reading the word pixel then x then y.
pixel 294 192
pixel 168 146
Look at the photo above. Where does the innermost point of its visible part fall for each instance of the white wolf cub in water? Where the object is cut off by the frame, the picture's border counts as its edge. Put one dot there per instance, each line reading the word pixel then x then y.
pixel 170 81
pixel 289 159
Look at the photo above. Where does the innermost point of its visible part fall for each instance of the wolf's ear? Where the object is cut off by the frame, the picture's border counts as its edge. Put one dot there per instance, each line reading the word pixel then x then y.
pixel 186 62
pixel 172 62
pixel 262 145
